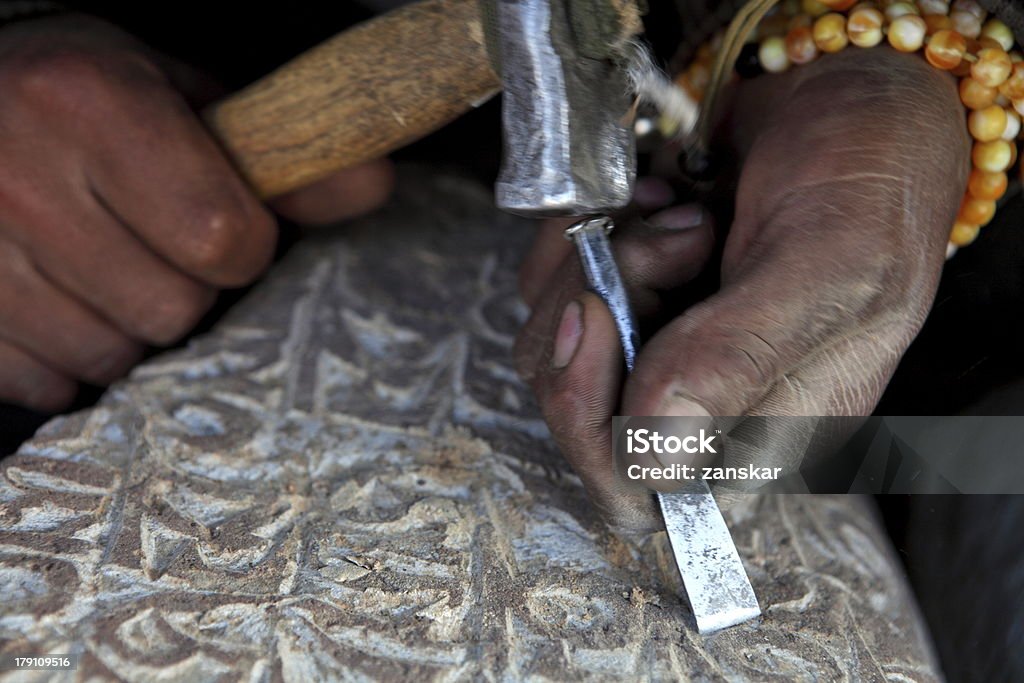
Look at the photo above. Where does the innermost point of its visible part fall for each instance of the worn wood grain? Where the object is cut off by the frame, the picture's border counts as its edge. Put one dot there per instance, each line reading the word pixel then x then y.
pixel 358 96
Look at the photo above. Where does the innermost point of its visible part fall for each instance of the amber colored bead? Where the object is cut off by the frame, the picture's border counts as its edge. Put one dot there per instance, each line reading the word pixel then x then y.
pixel 830 32
pixel 773 56
pixel 985 185
pixel 993 157
pixel 976 211
pixel 800 47
pixel 992 68
pixel 772 25
pixel 963 69
pixel 946 50
pixel 799 21
pixel 964 233
pixel 937 22
pixel 984 42
pixel 974 95
pixel 1013 86
pixel 864 27
pixel 933 7
pixel 966 24
pixel 969 6
pixel 987 124
pixel 1012 130
pixel 1013 155
pixel 695 79
pixel 895 10
pixel 838 5
pixel 906 33
pixel 999 32
pixel 813 7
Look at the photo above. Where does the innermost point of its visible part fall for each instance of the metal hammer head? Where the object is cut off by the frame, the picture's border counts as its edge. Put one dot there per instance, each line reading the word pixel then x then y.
pixel 569 147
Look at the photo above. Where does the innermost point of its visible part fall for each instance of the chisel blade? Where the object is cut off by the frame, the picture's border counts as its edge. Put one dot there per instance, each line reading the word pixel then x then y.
pixel 713 574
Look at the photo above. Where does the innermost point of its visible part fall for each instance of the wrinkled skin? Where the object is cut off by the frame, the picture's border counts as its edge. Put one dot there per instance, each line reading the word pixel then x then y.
pixel 120 218
pixel 852 172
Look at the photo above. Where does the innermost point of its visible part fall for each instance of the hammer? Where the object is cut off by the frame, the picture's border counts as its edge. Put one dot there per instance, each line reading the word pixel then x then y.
pixel 358 96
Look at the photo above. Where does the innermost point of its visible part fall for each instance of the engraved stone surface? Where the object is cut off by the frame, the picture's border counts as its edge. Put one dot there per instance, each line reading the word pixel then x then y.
pixel 346 481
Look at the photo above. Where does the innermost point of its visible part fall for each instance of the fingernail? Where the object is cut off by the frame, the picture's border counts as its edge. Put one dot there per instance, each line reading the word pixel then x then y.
pixel 567 339
pixel 678 406
pixel 679 217
pixel 691 417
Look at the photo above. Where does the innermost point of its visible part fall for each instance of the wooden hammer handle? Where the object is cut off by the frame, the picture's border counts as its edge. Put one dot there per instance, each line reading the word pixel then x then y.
pixel 358 96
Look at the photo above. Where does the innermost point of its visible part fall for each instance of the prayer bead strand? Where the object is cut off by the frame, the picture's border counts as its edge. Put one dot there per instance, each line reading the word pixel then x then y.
pixel 958 37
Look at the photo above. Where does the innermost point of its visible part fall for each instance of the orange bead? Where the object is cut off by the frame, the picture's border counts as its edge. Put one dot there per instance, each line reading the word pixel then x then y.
pixel 984 185
pixel 976 211
pixel 993 157
pixel 987 124
pixel 773 25
pixel 895 10
pixel 838 5
pixel 984 41
pixel 963 233
pixel 937 22
pixel 907 32
pixel 864 27
pixel 800 45
pixel 830 32
pixel 992 68
pixel 933 7
pixel 974 95
pixel 1013 86
pixel 946 50
pixel 998 32
pixel 813 7
pixel 1012 130
pixel 696 79
pixel 799 21
pixel 963 69
pixel 966 24
pixel 971 7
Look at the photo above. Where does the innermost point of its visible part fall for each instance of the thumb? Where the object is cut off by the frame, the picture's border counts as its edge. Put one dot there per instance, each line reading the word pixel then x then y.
pixel 578 389
pixel 723 356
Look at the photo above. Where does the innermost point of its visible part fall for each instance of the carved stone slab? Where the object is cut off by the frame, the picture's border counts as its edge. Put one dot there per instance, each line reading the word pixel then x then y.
pixel 346 481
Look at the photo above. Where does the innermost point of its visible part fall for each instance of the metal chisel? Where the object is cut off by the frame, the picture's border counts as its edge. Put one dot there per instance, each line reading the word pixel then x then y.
pixel 716 583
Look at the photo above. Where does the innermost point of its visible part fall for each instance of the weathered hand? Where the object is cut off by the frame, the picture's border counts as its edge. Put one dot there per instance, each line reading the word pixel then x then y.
pixel 853 168
pixel 119 215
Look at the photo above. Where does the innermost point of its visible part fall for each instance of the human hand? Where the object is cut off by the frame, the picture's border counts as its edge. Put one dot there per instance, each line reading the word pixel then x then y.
pixel 853 171
pixel 120 217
